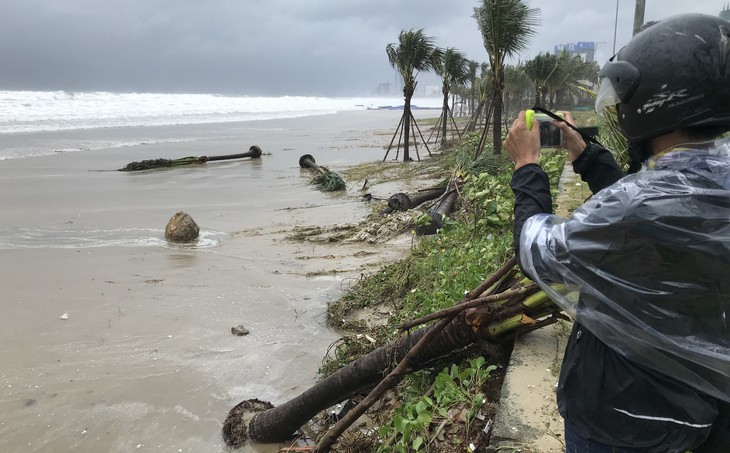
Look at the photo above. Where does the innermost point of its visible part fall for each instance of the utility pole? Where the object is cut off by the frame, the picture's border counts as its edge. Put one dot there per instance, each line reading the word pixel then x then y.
pixel 639 15
pixel 615 26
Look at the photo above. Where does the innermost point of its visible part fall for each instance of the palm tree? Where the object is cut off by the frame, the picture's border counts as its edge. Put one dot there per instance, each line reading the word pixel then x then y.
pixel 557 77
pixel 473 66
pixel 517 87
pixel 564 78
pixel 453 68
pixel 484 89
pixel 413 53
pixel 575 73
pixel 540 70
pixel 506 27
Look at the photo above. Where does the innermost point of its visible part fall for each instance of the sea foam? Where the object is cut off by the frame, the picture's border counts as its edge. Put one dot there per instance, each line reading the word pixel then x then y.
pixel 38 111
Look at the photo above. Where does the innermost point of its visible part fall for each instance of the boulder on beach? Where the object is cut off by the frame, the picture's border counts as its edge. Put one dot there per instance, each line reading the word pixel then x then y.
pixel 181 228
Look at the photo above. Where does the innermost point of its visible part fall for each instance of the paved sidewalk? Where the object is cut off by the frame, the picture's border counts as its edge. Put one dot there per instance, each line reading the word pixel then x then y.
pixel 528 418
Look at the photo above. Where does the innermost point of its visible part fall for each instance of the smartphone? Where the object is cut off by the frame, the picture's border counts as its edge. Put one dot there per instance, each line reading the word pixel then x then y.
pixel 550 135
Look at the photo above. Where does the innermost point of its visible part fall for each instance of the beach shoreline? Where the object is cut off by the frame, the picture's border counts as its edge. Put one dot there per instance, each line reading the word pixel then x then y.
pixel 145 359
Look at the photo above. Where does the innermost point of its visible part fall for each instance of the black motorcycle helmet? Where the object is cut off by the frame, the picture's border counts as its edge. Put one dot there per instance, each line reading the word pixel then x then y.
pixel 672 75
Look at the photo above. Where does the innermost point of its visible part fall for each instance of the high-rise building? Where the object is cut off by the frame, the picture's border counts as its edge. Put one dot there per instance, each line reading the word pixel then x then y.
pixel 725 13
pixel 586 50
pixel 385 89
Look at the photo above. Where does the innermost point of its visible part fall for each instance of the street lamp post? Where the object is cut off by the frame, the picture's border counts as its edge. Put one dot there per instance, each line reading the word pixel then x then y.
pixel 639 15
pixel 615 26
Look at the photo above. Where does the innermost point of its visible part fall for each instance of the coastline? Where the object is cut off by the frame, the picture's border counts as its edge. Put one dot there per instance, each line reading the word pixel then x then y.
pixel 146 359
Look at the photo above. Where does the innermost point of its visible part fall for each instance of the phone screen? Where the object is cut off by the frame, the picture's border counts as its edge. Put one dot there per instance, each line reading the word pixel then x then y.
pixel 550 135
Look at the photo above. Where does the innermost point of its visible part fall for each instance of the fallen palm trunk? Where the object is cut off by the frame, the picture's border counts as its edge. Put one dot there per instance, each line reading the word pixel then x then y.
pixel 512 321
pixel 403 202
pixel 391 380
pixel 494 317
pixel 281 422
pixel 325 179
pixel 254 152
pixel 445 207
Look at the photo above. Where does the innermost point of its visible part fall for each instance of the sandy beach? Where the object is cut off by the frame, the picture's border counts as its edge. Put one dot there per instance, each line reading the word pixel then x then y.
pixel 145 360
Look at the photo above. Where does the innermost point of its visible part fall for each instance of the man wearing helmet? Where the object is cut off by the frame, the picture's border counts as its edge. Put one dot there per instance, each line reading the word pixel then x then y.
pixel 644 265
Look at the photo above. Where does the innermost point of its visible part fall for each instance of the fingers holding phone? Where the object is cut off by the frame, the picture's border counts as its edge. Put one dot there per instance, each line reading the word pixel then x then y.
pixel 523 141
pixel 572 140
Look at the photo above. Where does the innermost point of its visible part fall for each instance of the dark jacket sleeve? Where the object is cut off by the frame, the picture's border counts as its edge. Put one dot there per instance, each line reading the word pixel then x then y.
pixel 531 187
pixel 597 167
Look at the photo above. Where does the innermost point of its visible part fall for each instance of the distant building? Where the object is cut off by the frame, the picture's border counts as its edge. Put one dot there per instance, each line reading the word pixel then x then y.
pixel 385 89
pixel 432 90
pixel 586 50
pixel 725 13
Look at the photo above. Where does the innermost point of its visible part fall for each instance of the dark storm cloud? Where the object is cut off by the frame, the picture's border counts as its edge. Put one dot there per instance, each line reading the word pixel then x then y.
pixel 327 47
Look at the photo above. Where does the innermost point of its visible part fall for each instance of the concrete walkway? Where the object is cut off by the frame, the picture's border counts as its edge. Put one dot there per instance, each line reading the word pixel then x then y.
pixel 528 418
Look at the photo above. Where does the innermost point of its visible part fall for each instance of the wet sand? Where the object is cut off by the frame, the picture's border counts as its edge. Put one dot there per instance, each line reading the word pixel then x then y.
pixel 145 360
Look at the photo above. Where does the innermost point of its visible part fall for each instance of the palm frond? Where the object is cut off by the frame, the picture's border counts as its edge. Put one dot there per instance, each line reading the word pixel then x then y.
pixel 506 27
pixel 149 164
pixel 611 135
pixel 328 181
pixel 484 163
pixel 411 54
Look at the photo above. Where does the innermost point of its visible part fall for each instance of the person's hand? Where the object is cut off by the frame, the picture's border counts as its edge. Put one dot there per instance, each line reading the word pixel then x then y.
pixel 523 146
pixel 572 141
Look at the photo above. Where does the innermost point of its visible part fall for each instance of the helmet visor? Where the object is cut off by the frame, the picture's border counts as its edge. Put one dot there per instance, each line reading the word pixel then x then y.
pixel 606 96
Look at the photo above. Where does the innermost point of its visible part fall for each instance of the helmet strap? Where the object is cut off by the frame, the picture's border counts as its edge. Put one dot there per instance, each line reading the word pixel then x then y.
pixel 638 153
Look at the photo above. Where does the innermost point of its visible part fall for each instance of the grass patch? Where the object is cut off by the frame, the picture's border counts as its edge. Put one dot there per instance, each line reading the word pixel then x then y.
pixel 437 273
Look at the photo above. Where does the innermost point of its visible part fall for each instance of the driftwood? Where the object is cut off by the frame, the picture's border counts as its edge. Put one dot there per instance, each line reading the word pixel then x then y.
pixel 495 311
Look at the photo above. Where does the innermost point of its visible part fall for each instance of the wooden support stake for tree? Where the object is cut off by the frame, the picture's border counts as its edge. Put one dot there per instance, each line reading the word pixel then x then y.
pixel 453 121
pixel 412 121
pixel 421 135
pixel 400 124
pixel 436 129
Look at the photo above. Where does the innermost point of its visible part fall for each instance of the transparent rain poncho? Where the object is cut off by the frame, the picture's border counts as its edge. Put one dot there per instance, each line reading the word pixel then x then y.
pixel 645 265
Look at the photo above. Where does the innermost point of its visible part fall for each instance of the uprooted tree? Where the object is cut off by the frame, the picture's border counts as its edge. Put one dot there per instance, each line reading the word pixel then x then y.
pixel 501 307
pixel 254 152
pixel 324 179
pixel 445 206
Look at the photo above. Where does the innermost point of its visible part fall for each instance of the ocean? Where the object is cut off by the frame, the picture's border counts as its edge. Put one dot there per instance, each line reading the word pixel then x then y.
pixel 113 339
pixel 26 117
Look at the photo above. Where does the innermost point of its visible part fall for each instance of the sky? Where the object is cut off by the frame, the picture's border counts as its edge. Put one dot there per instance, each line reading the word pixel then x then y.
pixel 270 47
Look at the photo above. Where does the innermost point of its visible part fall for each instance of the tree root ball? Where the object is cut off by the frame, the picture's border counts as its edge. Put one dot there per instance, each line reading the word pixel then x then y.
pixel 399 202
pixel 255 152
pixel 181 228
pixel 235 427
